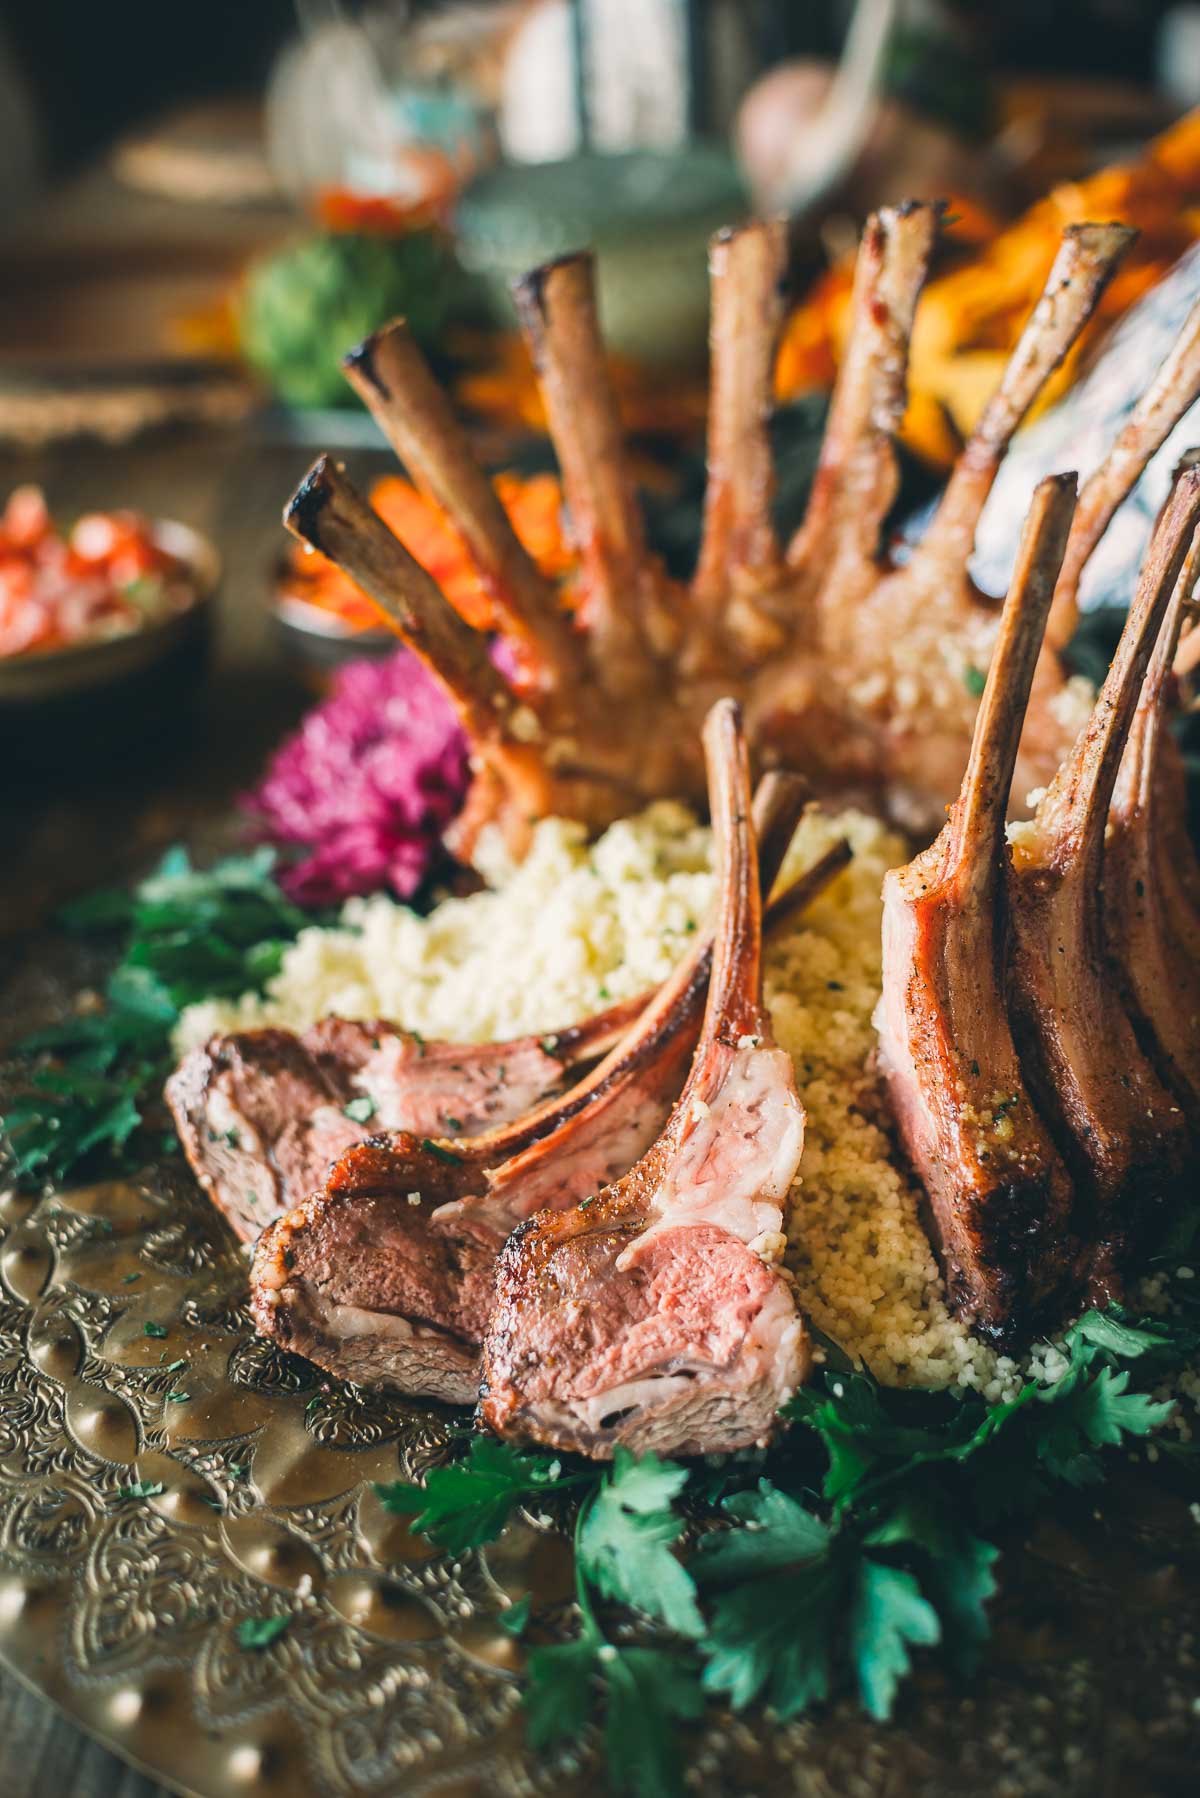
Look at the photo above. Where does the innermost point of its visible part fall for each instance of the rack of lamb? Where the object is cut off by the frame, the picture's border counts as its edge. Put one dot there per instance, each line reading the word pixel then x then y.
pixel 860 673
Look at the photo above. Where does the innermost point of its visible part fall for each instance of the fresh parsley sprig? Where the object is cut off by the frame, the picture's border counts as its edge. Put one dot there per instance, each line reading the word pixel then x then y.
pixel 644 1690
pixel 816 1577
pixel 467 1503
pixel 85 1087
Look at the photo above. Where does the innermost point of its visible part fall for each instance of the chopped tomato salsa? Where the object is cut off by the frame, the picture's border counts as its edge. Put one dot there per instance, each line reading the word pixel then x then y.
pixel 105 577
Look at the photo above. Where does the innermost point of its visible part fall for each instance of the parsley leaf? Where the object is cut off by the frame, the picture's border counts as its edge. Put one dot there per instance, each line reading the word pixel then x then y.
pixel 887 1617
pixel 646 1691
pixel 260 1632
pixel 513 1620
pixel 467 1503
pixel 954 1566
pixel 774 1636
pixel 773 1633
pixel 558 1698
pixel 440 1152
pixel 777 1532
pixel 1086 1414
pixel 89 1084
pixel 141 1489
pixel 360 1111
pixel 625 1546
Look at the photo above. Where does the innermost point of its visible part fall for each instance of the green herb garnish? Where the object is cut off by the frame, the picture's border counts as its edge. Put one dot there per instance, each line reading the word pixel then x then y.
pixel 974 680
pixel 440 1152
pixel 361 1110
pixel 260 1632
pixel 93 1081
pixel 813 1581
pixel 141 1489
pixel 156 1330
pixel 467 1503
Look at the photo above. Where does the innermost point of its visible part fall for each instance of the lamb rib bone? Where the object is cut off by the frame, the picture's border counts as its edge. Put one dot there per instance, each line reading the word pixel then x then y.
pixel 913 641
pixel 1120 1131
pixel 643 1316
pixel 517 761
pixel 740 557
pixel 1150 924
pixel 795 700
pixel 1173 390
pixel 857 476
pixel 627 609
pixel 999 1191
pixel 411 408
pixel 438 1212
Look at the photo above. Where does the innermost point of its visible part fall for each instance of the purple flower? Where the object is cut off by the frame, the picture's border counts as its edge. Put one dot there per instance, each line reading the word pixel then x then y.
pixel 367 785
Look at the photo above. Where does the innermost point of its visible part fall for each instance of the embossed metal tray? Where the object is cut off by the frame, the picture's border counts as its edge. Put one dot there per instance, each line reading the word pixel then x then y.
pixel 393 1675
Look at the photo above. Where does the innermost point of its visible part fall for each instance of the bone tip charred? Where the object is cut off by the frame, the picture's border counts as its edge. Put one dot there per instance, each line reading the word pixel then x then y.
pixel 360 364
pixel 302 514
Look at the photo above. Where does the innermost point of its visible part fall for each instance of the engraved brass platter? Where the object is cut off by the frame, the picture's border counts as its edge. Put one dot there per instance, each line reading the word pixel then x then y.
pixel 394 1675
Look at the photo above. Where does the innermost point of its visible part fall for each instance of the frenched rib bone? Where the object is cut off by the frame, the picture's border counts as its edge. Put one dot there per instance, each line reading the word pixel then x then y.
pixel 1122 1133
pixel 1150 923
pixel 740 557
pixel 439 1211
pixel 627 610
pixel 644 1316
pixel 1172 392
pixel 924 635
pixel 390 374
pixel 999 1191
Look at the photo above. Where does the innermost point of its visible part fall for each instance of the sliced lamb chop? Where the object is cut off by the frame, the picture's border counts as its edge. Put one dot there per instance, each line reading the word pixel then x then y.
pixel 1121 1132
pixel 1149 920
pixel 999 1191
pixel 918 645
pixel 1171 393
pixel 261 1114
pixel 644 1315
pixel 436 1210
pixel 257 1117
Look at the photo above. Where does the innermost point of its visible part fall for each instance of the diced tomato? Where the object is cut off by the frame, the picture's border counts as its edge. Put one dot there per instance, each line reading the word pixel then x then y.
pixel 55 591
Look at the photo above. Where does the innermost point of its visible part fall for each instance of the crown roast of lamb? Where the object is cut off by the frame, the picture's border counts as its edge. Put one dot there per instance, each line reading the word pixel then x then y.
pixel 573 1227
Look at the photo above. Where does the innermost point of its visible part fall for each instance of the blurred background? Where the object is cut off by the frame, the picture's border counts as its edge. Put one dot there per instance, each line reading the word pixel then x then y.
pixel 203 209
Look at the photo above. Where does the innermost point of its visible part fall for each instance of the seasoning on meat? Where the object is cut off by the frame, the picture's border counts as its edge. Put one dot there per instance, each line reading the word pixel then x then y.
pixel 432 1223
pixel 999 1192
pixel 646 1316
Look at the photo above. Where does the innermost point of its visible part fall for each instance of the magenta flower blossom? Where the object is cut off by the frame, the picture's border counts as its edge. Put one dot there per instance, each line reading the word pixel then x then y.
pixel 366 786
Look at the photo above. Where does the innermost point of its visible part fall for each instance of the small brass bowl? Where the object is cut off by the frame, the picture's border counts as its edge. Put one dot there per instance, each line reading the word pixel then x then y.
pixel 316 641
